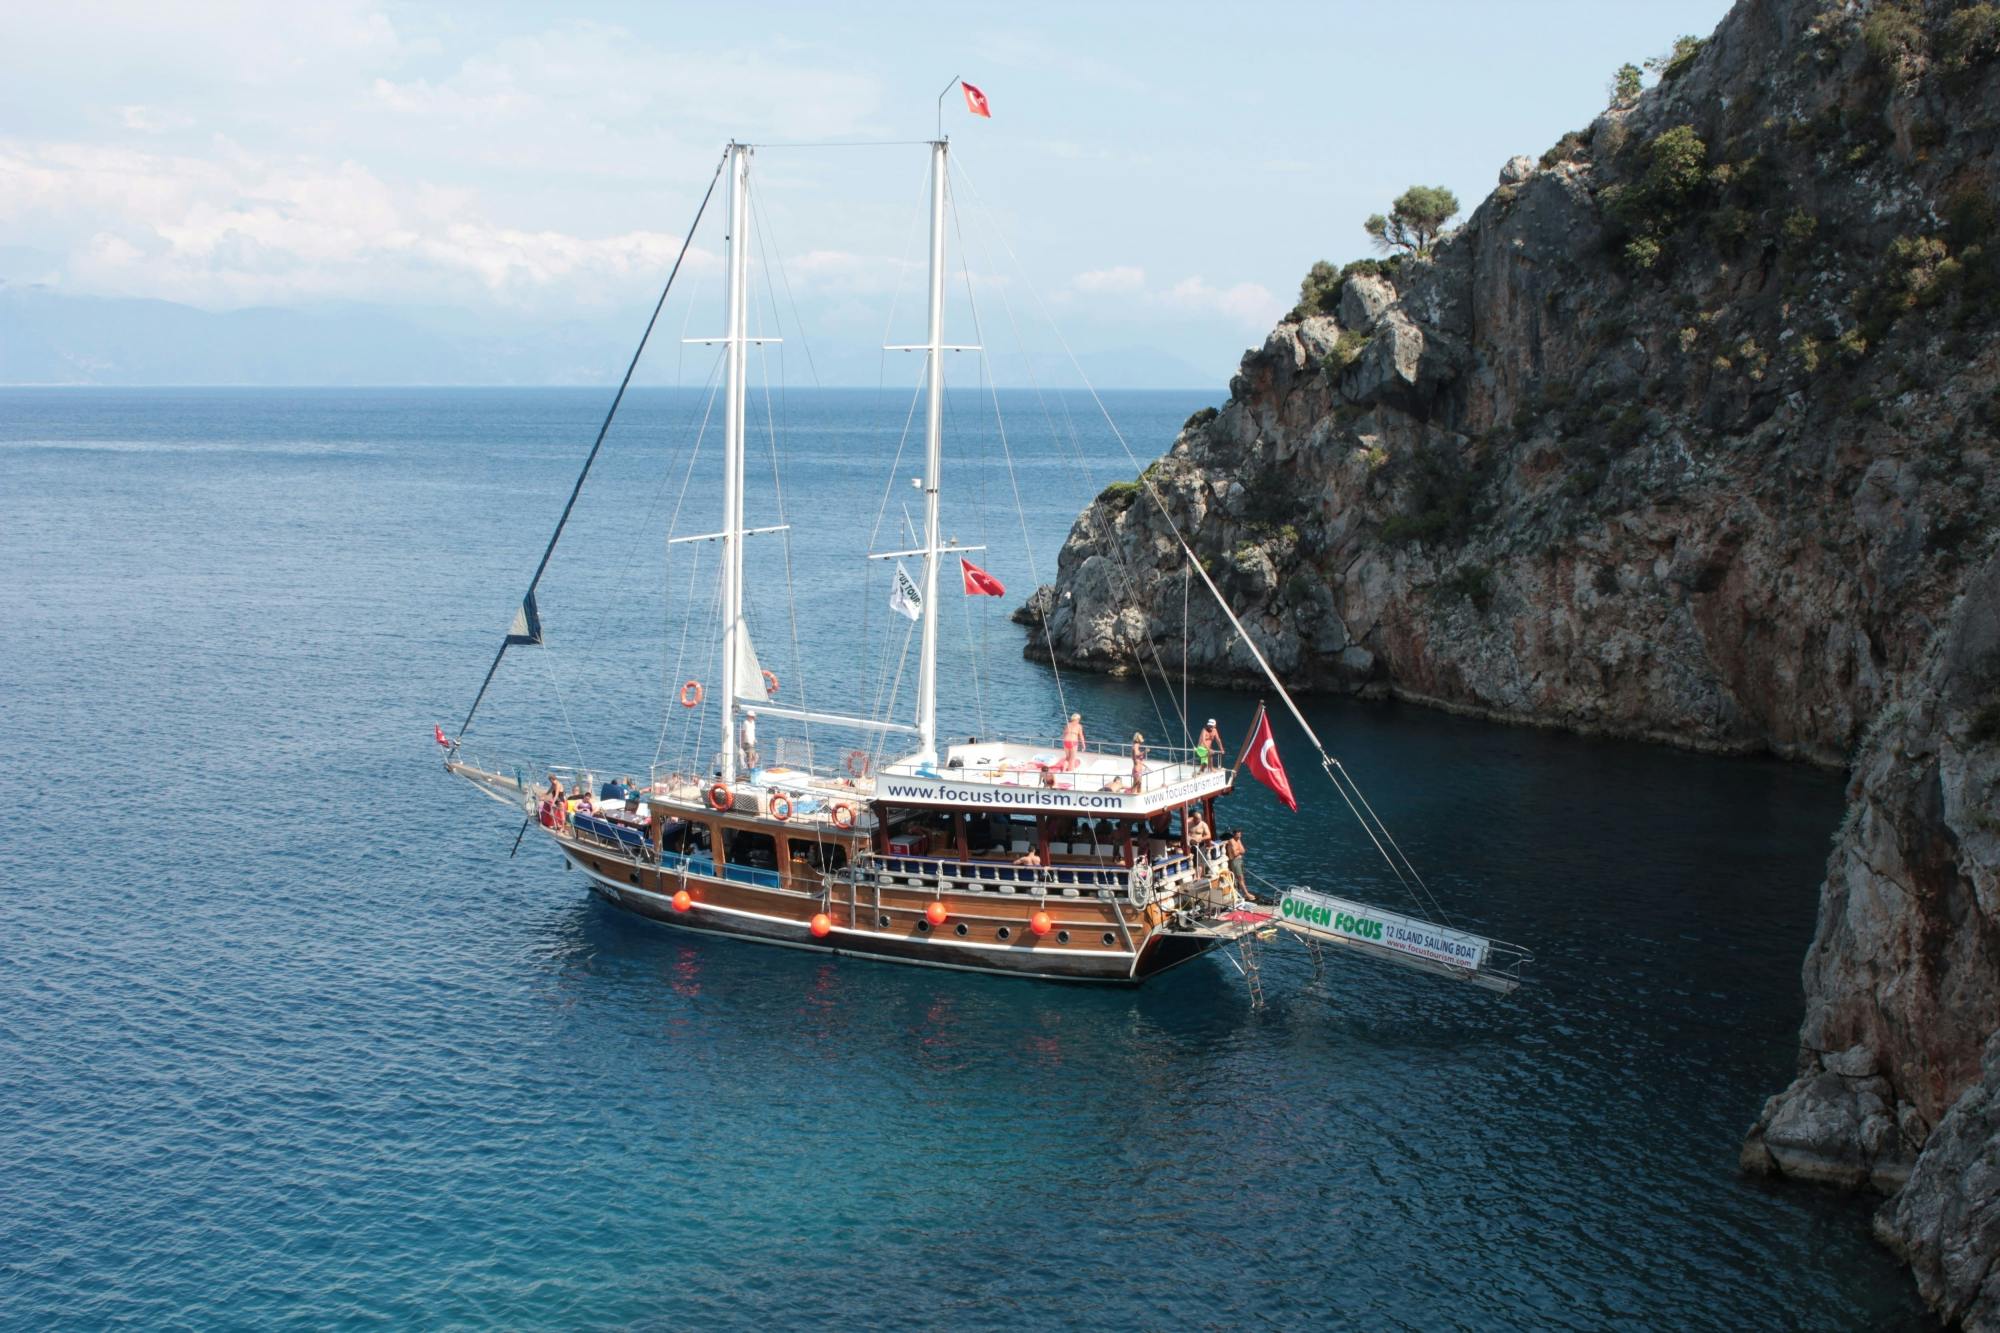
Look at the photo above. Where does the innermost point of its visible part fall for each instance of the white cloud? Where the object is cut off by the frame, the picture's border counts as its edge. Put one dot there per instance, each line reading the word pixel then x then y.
pixel 241 229
pixel 1250 304
pixel 1247 304
pixel 1110 281
pixel 153 119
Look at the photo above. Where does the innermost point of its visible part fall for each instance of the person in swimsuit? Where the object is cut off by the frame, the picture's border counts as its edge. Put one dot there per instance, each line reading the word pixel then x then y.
pixel 1198 835
pixel 1073 743
pixel 1138 760
pixel 1211 742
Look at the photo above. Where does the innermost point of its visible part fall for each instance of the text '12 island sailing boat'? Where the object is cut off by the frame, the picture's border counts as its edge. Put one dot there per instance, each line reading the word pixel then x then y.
pixel 991 855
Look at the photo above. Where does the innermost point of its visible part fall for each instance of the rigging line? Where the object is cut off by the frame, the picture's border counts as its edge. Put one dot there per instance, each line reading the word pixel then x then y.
pixel 629 570
pixel 1337 786
pixel 1187 586
pixel 763 229
pixel 1006 450
pixel 1407 864
pixel 777 480
pixel 896 294
pixel 848 143
pixel 680 500
pixel 680 657
pixel 548 664
pixel 700 434
pixel 889 488
pixel 1120 562
pixel 1153 494
pixel 602 431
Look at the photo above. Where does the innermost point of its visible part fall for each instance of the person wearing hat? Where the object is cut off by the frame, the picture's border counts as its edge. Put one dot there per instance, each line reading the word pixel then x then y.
pixel 746 750
pixel 1211 745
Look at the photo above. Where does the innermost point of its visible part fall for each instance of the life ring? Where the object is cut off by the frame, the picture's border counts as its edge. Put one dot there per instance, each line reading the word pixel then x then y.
pixel 770 683
pixel 857 763
pixel 1142 891
pixel 721 797
pixel 843 815
pixel 781 808
pixel 691 694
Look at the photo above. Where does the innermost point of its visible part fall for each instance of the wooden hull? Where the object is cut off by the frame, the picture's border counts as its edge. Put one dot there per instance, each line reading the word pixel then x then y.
pixel 1090 940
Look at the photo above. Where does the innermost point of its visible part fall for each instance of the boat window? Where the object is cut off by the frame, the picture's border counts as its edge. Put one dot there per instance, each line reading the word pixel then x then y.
pixel 746 847
pixel 682 837
pixel 821 856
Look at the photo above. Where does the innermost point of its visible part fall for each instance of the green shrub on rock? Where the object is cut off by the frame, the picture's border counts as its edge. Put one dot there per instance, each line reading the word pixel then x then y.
pixel 1319 293
pixel 1415 221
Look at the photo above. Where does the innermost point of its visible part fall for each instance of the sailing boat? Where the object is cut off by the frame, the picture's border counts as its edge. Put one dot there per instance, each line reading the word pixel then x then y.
pixel 994 855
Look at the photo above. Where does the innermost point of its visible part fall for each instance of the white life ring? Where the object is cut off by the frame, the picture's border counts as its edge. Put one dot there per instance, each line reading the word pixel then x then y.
pixel 1142 886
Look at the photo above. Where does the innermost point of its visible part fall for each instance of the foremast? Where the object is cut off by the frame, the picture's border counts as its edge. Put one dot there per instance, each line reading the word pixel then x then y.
pixel 933 458
pixel 734 640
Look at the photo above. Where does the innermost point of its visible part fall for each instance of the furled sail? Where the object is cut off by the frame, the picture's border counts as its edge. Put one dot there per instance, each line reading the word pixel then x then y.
pixel 749 671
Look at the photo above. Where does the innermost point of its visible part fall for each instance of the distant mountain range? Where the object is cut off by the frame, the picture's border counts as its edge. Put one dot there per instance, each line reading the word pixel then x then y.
pixel 48 337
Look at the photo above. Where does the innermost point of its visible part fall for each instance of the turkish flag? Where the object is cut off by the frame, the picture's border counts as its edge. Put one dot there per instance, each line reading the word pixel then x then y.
pixel 439 733
pixel 1260 756
pixel 975 101
pixel 978 583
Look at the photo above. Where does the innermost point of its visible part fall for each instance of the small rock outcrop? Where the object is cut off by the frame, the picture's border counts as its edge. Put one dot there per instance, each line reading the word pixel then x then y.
pixel 1690 433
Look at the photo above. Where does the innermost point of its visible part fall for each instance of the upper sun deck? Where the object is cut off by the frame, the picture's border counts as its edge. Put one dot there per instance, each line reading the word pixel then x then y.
pixel 1015 775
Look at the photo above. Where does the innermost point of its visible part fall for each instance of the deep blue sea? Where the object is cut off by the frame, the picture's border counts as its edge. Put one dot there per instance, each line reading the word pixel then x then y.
pixel 287 1038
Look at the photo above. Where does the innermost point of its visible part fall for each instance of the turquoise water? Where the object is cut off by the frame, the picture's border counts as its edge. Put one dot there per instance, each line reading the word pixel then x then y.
pixel 288 1038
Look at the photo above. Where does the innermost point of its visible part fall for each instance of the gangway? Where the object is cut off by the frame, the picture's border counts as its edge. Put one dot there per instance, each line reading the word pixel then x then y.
pixel 1406 941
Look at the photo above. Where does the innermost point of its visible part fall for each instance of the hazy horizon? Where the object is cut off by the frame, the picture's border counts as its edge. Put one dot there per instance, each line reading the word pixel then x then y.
pixel 458 193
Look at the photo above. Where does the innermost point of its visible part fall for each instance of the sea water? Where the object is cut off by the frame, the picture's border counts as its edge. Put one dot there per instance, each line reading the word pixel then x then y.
pixel 289 1036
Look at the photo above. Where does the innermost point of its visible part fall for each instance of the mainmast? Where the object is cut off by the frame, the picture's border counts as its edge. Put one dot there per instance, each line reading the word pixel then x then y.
pixel 737 288
pixel 933 451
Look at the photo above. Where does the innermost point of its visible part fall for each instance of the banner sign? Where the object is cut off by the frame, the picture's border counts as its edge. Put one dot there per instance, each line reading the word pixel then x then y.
pixel 927 790
pixel 1323 914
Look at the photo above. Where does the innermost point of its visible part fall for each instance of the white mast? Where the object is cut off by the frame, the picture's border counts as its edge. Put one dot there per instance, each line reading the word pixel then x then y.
pixel 732 445
pixel 933 450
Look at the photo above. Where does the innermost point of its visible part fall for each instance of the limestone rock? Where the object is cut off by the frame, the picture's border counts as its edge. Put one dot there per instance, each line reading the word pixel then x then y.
pixel 1689 514
pixel 1518 169
pixel 1946 1222
pixel 1363 298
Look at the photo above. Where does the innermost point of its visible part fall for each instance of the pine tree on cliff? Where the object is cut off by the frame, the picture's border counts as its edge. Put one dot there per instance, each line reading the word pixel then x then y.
pixel 1415 220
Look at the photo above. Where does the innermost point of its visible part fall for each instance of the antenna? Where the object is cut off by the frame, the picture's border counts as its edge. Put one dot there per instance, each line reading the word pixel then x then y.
pixel 940 104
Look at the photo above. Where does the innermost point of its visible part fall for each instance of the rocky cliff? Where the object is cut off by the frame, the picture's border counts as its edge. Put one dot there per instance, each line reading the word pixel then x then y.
pixel 1689 433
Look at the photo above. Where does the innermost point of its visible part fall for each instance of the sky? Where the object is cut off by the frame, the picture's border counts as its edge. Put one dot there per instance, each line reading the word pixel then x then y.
pixel 1155 178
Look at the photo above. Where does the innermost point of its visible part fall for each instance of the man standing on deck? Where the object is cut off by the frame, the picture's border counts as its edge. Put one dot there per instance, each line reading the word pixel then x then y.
pixel 746 752
pixel 1211 741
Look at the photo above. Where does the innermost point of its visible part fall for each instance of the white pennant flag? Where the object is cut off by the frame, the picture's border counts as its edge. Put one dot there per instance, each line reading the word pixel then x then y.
pixel 904 596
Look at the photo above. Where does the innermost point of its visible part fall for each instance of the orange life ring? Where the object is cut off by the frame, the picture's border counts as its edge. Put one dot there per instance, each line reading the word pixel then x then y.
pixel 721 797
pixel 770 683
pixel 843 815
pixel 691 694
pixel 857 763
pixel 781 808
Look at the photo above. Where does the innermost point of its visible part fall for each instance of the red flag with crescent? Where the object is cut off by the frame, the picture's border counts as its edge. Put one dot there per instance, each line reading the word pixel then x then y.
pixel 438 731
pixel 1260 756
pixel 975 101
pixel 978 583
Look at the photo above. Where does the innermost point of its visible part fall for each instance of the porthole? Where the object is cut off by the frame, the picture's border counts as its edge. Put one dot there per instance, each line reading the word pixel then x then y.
pixel 923 926
pixel 883 920
pixel 1003 934
pixel 1109 939
pixel 634 877
pixel 964 929
pixel 1062 937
